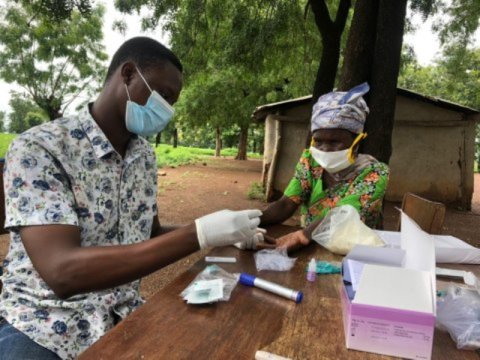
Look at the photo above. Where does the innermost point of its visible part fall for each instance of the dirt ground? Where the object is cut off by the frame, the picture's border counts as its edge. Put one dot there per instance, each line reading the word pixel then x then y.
pixel 188 192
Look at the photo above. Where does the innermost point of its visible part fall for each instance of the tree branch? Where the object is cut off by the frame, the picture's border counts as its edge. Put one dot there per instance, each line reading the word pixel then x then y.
pixel 342 15
pixel 322 16
pixel 67 104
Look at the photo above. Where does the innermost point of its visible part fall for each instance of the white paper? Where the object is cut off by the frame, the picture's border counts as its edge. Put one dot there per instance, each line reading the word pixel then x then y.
pixel 419 249
pixel 419 246
pixel 354 272
pixel 448 249
pixel 376 255
pixel 397 288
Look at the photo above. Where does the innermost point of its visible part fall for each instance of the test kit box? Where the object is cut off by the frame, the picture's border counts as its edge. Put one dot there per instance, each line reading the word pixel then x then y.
pixel 389 296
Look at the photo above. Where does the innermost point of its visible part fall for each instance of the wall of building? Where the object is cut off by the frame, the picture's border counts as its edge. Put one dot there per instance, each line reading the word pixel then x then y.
pixel 432 153
pixel 293 125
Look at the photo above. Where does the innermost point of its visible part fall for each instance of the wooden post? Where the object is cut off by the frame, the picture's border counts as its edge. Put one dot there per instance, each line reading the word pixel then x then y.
pixel 271 173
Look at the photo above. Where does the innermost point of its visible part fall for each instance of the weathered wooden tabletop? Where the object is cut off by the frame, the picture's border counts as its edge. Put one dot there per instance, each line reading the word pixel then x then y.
pixel 167 328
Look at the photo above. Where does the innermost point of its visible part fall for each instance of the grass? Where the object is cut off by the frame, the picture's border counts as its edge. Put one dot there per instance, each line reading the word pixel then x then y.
pixel 5 140
pixel 256 191
pixel 167 155
pixel 475 167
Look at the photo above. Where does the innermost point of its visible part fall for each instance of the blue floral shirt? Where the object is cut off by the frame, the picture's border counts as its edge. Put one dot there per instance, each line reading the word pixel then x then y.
pixel 67 172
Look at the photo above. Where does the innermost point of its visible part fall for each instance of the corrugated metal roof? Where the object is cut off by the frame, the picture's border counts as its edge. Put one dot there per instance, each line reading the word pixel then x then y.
pixel 261 112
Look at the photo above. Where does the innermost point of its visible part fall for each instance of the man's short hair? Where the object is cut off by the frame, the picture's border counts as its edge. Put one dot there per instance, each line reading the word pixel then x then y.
pixel 144 52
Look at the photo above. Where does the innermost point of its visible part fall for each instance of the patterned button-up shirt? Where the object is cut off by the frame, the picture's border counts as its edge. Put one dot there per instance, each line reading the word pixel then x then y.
pixel 67 172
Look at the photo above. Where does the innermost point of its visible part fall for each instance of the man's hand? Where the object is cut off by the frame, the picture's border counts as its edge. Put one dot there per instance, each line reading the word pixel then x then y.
pixel 293 241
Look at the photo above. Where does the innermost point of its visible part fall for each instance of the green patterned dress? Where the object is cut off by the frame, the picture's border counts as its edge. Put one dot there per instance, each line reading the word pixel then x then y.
pixel 364 190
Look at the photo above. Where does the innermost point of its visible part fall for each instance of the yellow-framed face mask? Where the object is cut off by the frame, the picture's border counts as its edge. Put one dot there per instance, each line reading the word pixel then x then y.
pixel 335 161
pixel 351 155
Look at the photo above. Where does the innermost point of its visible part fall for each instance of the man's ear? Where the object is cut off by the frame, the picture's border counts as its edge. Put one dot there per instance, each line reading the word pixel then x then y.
pixel 126 71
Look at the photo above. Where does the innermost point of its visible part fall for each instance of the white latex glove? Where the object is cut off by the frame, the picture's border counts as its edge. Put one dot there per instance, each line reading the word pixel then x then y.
pixel 251 244
pixel 226 227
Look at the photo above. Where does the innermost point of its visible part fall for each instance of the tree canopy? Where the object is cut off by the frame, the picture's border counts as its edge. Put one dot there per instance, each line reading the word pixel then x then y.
pixel 52 60
pixel 25 114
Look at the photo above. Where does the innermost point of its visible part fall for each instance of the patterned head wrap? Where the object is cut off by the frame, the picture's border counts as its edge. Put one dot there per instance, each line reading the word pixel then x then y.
pixel 341 110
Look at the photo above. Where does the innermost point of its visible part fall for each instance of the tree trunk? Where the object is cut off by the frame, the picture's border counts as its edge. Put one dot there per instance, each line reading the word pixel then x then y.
pixel 175 137
pixel 386 65
pixel 331 33
pixel 158 138
pixel 218 142
pixel 325 80
pixel 242 144
pixel 52 112
pixel 359 52
pixel 373 54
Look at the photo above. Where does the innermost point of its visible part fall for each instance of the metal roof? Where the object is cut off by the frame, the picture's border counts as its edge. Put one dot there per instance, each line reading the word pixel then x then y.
pixel 261 112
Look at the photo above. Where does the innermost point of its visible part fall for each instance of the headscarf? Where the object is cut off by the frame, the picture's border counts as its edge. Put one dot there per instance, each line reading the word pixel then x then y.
pixel 341 110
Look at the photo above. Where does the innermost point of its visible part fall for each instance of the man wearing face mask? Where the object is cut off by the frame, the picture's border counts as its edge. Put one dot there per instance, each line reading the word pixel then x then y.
pixel 331 172
pixel 81 209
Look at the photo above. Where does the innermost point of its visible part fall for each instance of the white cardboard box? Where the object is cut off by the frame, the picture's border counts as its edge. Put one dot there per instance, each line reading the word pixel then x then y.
pixel 393 309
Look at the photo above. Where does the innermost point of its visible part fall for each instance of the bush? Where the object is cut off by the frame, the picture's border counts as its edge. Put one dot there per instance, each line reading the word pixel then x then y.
pixel 256 191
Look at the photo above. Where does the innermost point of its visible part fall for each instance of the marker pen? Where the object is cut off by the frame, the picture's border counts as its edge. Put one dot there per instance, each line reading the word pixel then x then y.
pixel 251 280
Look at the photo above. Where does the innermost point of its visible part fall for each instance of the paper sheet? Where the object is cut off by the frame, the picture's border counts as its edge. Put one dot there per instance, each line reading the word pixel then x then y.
pixel 448 249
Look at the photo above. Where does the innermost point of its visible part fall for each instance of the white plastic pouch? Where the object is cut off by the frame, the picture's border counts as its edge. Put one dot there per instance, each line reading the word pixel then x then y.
pixel 459 314
pixel 211 285
pixel 342 229
pixel 273 259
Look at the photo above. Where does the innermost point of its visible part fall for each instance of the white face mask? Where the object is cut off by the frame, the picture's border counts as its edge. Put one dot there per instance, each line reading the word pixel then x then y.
pixel 335 161
pixel 331 161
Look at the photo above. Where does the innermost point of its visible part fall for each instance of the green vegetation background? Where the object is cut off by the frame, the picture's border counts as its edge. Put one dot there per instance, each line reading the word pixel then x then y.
pixel 167 155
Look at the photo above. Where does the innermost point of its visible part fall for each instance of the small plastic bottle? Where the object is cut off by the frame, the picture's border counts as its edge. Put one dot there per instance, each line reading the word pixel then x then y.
pixel 312 270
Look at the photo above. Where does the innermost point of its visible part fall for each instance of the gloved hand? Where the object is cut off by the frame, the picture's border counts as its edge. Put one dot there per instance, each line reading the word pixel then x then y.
pixel 226 227
pixel 251 244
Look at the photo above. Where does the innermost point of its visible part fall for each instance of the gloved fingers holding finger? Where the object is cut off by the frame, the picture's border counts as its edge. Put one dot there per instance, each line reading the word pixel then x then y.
pixel 253 213
pixel 254 223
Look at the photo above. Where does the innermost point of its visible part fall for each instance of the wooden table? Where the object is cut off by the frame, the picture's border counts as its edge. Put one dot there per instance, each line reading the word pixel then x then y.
pixel 167 328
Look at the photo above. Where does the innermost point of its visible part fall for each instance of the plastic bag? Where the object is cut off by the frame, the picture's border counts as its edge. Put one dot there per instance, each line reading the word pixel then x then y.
pixel 342 229
pixel 207 277
pixel 274 259
pixel 459 314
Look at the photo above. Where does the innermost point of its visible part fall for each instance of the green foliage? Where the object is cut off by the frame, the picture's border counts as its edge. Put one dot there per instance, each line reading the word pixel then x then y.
pixel 256 192
pixel 53 60
pixel 60 9
pixel 5 140
pixel 458 20
pixel 25 114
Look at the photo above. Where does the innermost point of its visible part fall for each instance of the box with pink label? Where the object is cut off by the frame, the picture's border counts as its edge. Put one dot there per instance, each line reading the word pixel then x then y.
pixel 389 296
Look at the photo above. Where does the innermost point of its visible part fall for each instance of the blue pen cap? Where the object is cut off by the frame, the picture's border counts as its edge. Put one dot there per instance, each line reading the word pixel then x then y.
pixel 299 297
pixel 247 279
